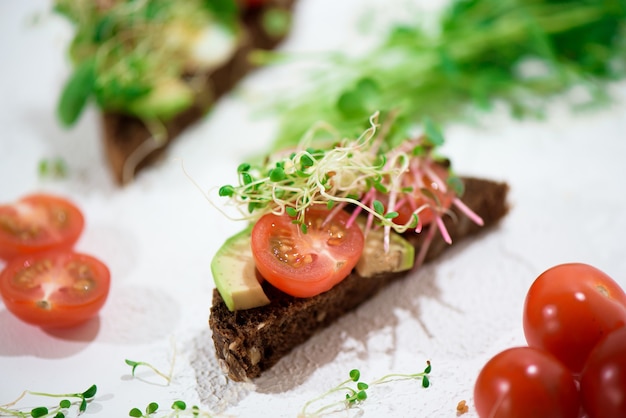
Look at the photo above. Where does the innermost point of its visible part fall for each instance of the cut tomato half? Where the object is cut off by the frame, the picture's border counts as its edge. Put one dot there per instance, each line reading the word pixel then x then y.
pixel 306 264
pixel 38 223
pixel 55 289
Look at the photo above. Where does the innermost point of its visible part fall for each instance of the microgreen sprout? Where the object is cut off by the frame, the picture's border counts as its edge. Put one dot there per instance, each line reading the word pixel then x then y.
pixel 135 364
pixel 167 376
pixel 52 168
pixel 361 174
pixel 356 390
pixel 58 411
pixel 177 409
pixel 478 54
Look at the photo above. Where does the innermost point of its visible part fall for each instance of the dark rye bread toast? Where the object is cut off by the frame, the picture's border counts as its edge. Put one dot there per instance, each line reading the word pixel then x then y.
pixel 250 341
pixel 128 143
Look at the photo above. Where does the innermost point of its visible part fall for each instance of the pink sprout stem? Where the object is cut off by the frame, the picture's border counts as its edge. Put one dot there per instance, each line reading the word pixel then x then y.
pixel 468 212
pixel 444 231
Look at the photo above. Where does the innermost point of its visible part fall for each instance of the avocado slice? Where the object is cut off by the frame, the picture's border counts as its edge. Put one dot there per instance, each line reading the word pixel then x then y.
pixel 167 99
pixel 235 274
pixel 374 260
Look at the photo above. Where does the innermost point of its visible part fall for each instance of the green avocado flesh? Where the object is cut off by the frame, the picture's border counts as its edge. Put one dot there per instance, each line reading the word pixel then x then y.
pixel 375 260
pixel 235 275
pixel 165 101
pixel 236 278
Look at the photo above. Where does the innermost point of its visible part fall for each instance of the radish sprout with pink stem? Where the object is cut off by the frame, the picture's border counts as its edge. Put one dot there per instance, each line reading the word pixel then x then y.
pixel 354 174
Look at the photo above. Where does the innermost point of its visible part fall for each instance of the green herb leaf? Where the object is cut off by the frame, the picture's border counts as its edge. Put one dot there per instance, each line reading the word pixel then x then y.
pixel 433 133
pixel 179 405
pixel 391 215
pixel 225 191
pixel 76 92
pixel 83 405
pixel 39 412
pixel 224 10
pixel 277 174
pixel 91 392
pixel 65 403
pixel 152 408
pixel 456 184
pixel 378 207
pixel 135 412
pixel 428 368
pixel 355 375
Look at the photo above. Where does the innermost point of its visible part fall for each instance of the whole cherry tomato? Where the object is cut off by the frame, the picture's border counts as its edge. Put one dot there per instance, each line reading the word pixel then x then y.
pixel 523 382
pixel 603 380
pixel 569 308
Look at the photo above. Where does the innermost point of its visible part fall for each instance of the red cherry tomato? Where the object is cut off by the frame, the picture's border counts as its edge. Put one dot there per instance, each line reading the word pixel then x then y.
pixel 38 223
pixel 55 289
pixel 525 382
pixel 569 308
pixel 306 264
pixel 603 380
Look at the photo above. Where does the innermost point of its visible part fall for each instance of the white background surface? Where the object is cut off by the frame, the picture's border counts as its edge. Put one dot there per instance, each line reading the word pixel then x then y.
pixel 159 234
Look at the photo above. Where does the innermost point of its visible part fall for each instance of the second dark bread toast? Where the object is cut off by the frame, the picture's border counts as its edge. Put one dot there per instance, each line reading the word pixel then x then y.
pixel 129 144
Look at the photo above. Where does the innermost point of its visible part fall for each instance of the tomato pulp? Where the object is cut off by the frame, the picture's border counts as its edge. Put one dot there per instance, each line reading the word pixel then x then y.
pixel 306 264
pixel 569 308
pixel 603 380
pixel 38 223
pixel 523 382
pixel 55 289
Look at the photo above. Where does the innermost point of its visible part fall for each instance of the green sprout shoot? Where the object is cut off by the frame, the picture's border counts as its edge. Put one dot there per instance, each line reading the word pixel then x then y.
pixel 134 364
pixel 480 53
pixel 355 390
pixel 362 174
pixel 178 409
pixel 55 168
pixel 167 376
pixel 58 411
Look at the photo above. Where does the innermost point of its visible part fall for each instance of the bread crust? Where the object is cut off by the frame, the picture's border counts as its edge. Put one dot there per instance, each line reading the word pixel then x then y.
pixel 251 341
pixel 126 138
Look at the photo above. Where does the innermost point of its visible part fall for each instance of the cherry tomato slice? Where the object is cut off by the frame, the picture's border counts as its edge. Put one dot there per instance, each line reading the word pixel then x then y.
pixel 55 289
pixel 38 223
pixel 569 308
pixel 306 264
pixel 523 382
pixel 603 380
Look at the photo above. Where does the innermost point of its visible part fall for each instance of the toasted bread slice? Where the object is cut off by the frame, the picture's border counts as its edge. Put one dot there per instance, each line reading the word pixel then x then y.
pixel 247 342
pixel 128 143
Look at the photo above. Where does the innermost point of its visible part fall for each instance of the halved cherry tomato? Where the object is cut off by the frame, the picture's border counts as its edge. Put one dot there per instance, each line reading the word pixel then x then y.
pixel 429 195
pixel 569 308
pixel 306 264
pixel 55 289
pixel 603 380
pixel 38 223
pixel 523 382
